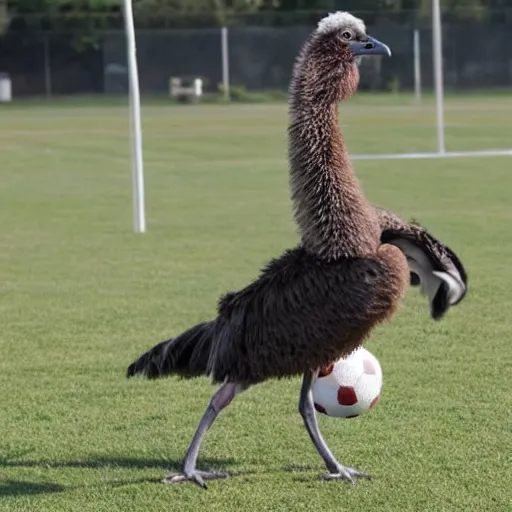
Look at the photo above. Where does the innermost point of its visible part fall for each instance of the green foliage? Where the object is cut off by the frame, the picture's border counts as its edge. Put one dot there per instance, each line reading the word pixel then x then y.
pixel 221 12
pixel 466 8
pixel 4 16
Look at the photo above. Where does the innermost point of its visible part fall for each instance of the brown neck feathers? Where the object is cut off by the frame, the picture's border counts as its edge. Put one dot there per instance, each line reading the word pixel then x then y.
pixel 334 218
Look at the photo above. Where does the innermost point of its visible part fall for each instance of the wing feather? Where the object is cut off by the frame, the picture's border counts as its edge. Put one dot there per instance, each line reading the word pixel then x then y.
pixel 441 275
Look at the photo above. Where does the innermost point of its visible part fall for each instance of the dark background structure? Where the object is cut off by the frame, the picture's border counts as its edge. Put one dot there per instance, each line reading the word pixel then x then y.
pixel 80 48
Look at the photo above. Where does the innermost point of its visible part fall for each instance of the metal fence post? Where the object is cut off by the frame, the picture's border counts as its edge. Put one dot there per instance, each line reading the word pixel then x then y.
pixel 47 67
pixel 225 61
pixel 417 66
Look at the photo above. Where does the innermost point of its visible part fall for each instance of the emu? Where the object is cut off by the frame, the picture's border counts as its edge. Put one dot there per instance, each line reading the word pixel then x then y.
pixel 320 300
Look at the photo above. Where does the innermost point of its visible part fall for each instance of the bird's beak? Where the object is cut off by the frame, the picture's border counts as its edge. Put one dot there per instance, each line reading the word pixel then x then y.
pixel 369 47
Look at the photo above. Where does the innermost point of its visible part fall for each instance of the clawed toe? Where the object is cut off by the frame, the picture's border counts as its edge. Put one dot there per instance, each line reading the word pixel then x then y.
pixel 346 474
pixel 181 478
pixel 197 477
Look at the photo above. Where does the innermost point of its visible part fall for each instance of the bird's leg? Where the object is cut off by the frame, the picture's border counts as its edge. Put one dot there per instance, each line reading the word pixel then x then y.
pixel 308 413
pixel 221 399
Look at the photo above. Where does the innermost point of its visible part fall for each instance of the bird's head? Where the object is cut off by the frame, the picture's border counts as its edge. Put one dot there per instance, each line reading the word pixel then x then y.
pixel 330 54
pixel 342 35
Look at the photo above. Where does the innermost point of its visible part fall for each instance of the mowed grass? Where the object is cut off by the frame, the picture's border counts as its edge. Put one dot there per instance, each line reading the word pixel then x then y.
pixel 82 296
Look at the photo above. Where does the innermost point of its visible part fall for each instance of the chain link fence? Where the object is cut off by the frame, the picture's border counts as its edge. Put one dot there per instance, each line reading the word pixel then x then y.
pixel 477 55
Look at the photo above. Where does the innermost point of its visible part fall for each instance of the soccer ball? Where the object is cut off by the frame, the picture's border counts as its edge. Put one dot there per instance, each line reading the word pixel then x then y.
pixel 349 387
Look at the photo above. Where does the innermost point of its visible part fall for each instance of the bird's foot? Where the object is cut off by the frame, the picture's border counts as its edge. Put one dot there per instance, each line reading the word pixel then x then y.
pixel 346 474
pixel 195 476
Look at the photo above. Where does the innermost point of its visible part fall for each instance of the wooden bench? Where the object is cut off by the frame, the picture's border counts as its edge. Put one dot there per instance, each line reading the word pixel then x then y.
pixel 187 91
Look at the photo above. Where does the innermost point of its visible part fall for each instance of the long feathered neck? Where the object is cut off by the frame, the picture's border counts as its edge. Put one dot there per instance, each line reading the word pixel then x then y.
pixel 334 218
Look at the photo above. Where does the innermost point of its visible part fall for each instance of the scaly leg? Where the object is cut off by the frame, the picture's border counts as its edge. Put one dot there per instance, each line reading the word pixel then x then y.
pixel 308 413
pixel 221 399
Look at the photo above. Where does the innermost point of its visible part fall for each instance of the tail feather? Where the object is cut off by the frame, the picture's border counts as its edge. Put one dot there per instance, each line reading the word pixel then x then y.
pixel 186 355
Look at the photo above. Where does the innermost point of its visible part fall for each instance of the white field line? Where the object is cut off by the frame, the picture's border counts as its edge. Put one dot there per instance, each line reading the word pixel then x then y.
pixel 277 161
pixel 99 112
pixel 171 135
pixel 446 154
pixel 25 133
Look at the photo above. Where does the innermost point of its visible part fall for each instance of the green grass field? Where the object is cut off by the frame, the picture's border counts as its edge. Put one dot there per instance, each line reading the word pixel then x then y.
pixel 82 296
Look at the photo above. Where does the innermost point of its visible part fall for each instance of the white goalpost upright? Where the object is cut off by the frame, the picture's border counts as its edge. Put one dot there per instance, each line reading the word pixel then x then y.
pixel 437 43
pixel 439 94
pixel 417 65
pixel 139 214
pixel 224 48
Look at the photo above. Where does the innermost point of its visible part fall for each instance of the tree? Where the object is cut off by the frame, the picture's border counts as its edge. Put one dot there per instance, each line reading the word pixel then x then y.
pixel 4 16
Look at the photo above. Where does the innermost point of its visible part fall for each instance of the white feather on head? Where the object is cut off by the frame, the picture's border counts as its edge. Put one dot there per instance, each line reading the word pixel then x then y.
pixel 340 19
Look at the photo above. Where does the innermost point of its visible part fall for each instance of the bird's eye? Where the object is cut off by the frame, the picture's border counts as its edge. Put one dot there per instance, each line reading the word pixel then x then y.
pixel 347 35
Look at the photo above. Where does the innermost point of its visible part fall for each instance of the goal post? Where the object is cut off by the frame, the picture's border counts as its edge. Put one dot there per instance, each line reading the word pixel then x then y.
pixel 437 45
pixel 139 215
pixel 417 65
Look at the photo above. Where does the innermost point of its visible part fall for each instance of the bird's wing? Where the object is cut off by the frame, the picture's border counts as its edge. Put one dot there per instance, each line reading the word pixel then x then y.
pixel 434 266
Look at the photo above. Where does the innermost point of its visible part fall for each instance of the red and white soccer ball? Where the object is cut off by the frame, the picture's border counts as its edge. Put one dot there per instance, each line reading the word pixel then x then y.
pixel 350 386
